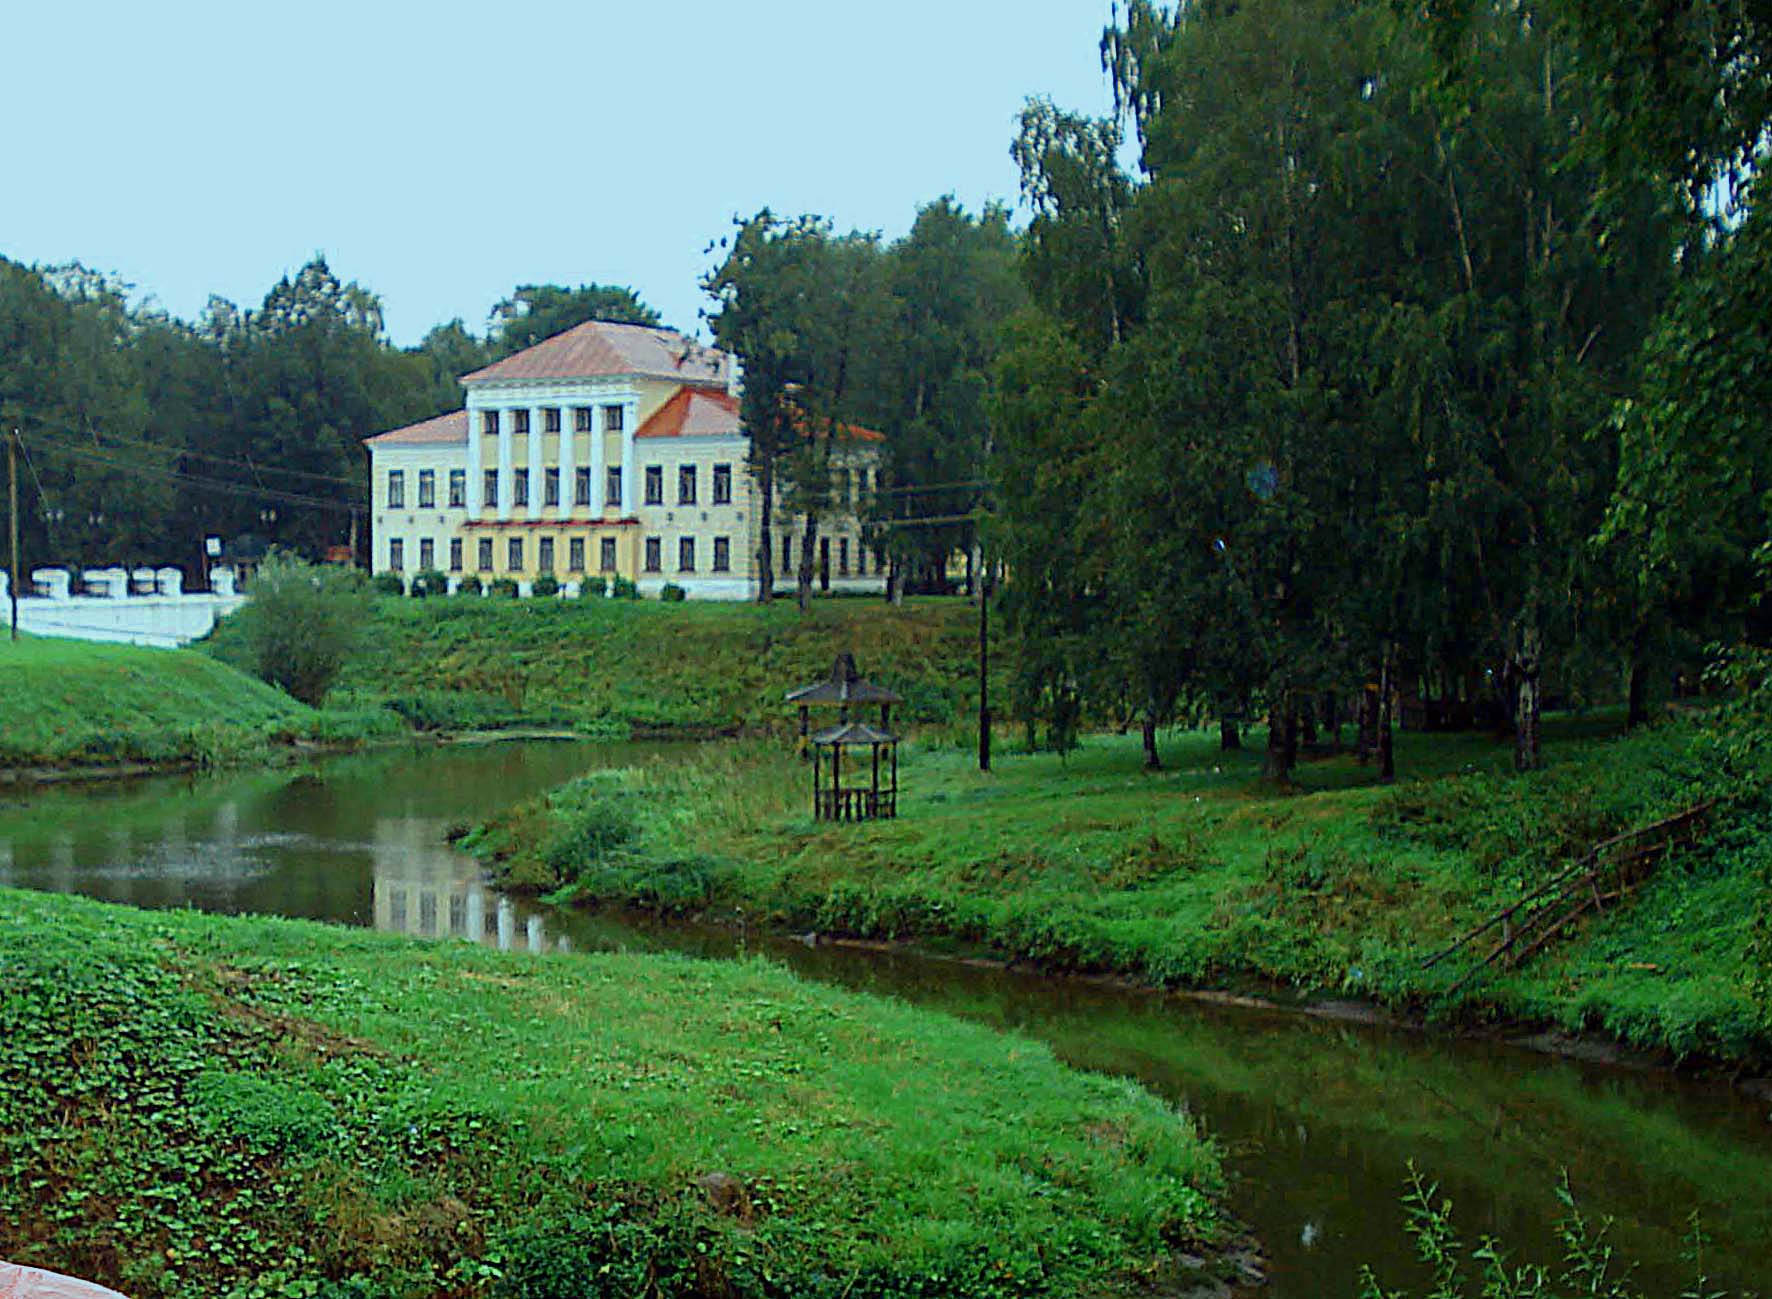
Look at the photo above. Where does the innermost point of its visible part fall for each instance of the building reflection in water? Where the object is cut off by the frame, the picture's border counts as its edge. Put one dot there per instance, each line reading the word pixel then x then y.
pixel 427 889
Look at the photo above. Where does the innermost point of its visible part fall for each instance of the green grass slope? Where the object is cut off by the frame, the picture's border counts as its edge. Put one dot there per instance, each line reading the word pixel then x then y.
pixel 193 1105
pixel 614 667
pixel 1201 875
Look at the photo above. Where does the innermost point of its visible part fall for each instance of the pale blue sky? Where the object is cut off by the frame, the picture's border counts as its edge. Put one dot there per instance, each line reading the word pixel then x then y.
pixel 442 153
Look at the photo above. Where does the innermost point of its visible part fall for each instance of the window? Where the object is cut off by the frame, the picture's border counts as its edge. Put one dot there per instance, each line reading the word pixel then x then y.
pixel 654 560
pixel 520 487
pixel 550 420
pixel 581 419
pixel 427 554
pixel 655 484
pixel 686 554
pixel 455 554
pixel 861 559
pixel 550 487
pixel 489 488
pixel 861 486
pixel 489 423
pixel 581 487
pixel 685 484
pixel 396 554
pixel 427 489
pixel 722 554
pixel 575 555
pixel 485 556
pixel 843 485
pixel 458 488
pixel 544 557
pixel 520 421
pixel 612 419
pixel 612 487
pixel 722 484
pixel 843 557
pixel 606 555
pixel 396 489
pixel 514 555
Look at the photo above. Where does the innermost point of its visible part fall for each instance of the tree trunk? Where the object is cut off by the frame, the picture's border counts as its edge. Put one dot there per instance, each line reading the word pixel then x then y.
pixel 1229 737
pixel 1527 753
pixel 1381 721
pixel 1332 719
pixel 1282 742
pixel 1151 761
pixel 808 546
pixel 1307 724
pixel 1637 692
pixel 766 544
pixel 1367 744
pixel 971 571
pixel 894 582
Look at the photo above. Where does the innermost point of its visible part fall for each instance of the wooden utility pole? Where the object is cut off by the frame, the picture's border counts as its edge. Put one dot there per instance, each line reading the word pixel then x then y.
pixel 12 520
pixel 984 661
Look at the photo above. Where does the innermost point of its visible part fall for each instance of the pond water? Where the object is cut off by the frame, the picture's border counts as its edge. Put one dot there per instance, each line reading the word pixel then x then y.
pixel 1319 1119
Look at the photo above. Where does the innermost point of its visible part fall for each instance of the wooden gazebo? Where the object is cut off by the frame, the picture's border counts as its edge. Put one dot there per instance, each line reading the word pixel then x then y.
pixel 832 799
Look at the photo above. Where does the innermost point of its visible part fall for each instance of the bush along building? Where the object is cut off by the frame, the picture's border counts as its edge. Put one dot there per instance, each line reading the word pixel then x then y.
pixel 609 451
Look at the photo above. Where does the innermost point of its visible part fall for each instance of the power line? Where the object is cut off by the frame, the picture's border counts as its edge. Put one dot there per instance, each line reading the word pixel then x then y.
pixel 217 485
pixel 237 461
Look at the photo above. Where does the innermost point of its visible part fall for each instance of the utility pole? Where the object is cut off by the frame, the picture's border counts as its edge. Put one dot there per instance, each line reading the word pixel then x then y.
pixel 12 520
pixel 984 659
pixel 353 563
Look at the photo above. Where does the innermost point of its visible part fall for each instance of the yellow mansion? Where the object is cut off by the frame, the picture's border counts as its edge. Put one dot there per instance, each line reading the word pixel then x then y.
pixel 606 451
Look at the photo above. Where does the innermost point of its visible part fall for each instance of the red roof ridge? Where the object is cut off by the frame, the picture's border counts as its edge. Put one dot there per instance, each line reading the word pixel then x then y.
pixel 451 426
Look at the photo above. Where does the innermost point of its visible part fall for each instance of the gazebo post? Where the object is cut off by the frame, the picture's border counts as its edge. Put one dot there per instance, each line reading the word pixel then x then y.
pixel 805 718
pixel 874 810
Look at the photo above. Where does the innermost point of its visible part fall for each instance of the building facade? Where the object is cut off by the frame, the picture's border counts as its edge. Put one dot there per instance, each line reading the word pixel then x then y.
pixel 606 451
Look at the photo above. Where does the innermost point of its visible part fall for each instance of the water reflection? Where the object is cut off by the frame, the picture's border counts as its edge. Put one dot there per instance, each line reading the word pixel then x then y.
pixel 427 889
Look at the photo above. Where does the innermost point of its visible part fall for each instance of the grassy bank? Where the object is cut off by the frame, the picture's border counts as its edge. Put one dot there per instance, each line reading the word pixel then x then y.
pixel 200 1106
pixel 67 703
pixel 1201 875
pixel 616 667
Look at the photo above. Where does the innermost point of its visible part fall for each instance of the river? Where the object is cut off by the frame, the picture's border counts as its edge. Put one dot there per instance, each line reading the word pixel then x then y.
pixel 1318 1119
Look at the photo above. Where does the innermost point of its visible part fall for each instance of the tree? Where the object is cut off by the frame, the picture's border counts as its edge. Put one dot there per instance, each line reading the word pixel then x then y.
pixel 302 623
pixel 539 311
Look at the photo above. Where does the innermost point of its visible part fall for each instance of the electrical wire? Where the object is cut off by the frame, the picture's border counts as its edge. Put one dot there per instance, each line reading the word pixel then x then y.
pixel 217 485
pixel 236 461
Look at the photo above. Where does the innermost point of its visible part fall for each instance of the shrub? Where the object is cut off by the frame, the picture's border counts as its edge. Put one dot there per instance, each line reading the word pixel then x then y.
pixel 593 588
pixel 429 582
pixel 671 593
pixel 504 588
pixel 387 584
pixel 469 585
pixel 302 622
pixel 545 586
pixel 624 589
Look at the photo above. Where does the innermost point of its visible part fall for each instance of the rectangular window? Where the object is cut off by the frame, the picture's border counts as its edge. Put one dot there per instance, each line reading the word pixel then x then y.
pixel 427 554
pixel 722 554
pixel 458 489
pixel 581 419
pixel 843 557
pixel 490 487
pixel 514 555
pixel 606 554
pixel 685 554
pixel 396 489
pixel 612 488
pixel 654 557
pixel 612 416
pixel 489 423
pixel 581 487
pixel 396 554
pixel 722 484
pixel 685 484
pixel 519 487
pixel 575 555
pixel 550 420
pixel 544 555
pixel 550 487
pixel 455 554
pixel 655 484
pixel 485 555
pixel 520 421
pixel 427 489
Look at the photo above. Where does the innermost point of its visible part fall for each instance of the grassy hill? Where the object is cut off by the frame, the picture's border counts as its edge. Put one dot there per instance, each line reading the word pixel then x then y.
pixel 193 1105
pixel 617 667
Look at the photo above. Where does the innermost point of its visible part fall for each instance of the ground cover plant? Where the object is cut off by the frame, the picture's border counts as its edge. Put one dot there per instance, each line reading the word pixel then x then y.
pixel 618 667
pixel 66 703
pixel 194 1105
pixel 1204 875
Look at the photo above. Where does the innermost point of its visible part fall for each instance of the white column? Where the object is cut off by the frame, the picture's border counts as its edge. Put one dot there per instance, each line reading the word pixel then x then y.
pixel 598 473
pixel 535 462
pixel 627 458
pixel 504 464
pixel 476 914
pixel 476 470
pixel 568 464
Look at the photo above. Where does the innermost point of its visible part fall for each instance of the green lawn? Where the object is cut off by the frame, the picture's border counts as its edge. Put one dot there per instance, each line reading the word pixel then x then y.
pixel 615 667
pixel 193 1105
pixel 80 703
pixel 1202 875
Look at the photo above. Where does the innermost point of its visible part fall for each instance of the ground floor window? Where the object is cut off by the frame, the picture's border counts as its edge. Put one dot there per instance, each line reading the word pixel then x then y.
pixel 427 554
pixel 575 555
pixel 485 556
pixel 544 558
pixel 514 555
pixel 606 554
pixel 455 554
pixel 686 554
pixel 722 554
pixel 396 554
pixel 654 555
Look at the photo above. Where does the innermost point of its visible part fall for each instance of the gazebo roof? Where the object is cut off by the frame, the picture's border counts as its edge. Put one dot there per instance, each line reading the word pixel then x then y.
pixel 854 733
pixel 844 686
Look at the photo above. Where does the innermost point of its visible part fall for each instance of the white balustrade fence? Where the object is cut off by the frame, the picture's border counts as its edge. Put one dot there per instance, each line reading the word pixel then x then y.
pixel 148 606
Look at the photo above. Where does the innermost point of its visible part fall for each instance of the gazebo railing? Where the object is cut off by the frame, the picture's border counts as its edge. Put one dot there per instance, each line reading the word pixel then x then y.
pixel 856 804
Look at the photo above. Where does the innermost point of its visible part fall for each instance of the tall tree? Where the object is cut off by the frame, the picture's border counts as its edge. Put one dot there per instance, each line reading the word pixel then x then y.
pixel 538 311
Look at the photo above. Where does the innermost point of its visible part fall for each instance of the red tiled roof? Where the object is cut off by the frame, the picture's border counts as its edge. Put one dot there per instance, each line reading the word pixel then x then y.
pixel 694 412
pixel 452 427
pixel 847 433
pixel 598 349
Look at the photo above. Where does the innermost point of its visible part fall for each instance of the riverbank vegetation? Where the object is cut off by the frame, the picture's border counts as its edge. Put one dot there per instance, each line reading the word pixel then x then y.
pixel 1204 875
pixel 615 668
pixel 68 704
pixel 193 1105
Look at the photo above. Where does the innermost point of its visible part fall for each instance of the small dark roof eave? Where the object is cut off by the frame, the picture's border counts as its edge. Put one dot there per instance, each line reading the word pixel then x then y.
pixel 843 692
pixel 854 733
